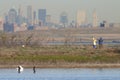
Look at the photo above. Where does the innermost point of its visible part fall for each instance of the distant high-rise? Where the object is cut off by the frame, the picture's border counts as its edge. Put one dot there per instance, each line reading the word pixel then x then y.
pixel 34 18
pixel 8 27
pixel 1 24
pixel 29 15
pixel 19 10
pixel 95 19
pixel 19 17
pixel 64 19
pixel 81 18
pixel 12 16
pixel 34 15
pixel 48 18
pixel 42 16
pixel 6 17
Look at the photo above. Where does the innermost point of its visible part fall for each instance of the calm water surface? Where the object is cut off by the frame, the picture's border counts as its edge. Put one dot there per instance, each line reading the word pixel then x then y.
pixel 61 74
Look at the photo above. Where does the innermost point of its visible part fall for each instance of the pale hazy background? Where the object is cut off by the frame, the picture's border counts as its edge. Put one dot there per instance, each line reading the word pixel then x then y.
pixel 106 9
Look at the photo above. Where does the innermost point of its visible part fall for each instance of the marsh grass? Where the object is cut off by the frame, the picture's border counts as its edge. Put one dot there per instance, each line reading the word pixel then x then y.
pixel 58 54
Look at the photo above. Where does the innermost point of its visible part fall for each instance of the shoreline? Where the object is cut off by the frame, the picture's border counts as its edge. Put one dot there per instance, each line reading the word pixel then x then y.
pixel 65 66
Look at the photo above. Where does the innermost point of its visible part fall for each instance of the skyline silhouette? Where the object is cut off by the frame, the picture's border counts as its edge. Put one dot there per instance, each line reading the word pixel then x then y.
pixel 105 9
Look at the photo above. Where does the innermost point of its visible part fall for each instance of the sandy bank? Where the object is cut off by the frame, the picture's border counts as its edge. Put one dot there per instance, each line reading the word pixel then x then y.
pixel 66 66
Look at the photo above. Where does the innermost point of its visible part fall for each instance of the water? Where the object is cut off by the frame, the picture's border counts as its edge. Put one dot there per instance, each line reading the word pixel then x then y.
pixel 79 43
pixel 61 74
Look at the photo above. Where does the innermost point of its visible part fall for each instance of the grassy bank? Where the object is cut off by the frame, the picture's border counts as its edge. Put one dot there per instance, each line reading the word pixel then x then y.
pixel 58 56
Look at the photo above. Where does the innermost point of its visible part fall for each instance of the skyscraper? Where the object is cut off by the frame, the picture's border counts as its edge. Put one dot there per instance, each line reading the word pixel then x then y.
pixel 48 18
pixel 34 15
pixel 81 18
pixel 8 27
pixel 19 17
pixel 34 18
pixel 64 19
pixel 19 10
pixel 95 19
pixel 1 24
pixel 29 15
pixel 42 16
pixel 12 16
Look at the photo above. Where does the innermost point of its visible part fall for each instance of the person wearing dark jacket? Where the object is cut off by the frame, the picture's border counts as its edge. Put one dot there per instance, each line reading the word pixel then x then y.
pixel 100 42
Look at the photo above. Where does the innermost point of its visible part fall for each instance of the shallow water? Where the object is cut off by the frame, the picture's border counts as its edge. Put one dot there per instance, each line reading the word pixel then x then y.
pixel 61 74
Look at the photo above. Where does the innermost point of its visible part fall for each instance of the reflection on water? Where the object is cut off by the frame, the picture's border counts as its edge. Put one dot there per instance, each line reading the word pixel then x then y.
pixel 61 74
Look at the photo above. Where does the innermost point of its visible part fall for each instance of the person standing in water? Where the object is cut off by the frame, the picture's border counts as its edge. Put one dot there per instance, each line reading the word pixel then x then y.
pixel 34 69
pixel 18 69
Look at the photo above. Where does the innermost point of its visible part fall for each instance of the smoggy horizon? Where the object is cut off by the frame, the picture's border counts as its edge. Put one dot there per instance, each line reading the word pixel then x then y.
pixel 106 9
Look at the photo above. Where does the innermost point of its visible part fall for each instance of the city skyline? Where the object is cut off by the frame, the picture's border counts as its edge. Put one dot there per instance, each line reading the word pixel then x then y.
pixel 106 10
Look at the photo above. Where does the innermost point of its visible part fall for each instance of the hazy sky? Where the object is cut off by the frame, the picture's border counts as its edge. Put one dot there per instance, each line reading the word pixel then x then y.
pixel 106 9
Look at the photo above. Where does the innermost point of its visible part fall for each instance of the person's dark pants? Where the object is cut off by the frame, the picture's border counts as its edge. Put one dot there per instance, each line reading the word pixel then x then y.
pixel 94 46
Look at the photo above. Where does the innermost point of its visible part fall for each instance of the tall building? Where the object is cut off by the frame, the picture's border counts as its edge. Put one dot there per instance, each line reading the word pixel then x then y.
pixel 20 10
pixel 12 16
pixel 42 16
pixel 48 18
pixel 6 17
pixel 19 17
pixel 64 19
pixel 1 24
pixel 81 18
pixel 95 19
pixel 34 15
pixel 29 15
pixel 34 18
pixel 8 27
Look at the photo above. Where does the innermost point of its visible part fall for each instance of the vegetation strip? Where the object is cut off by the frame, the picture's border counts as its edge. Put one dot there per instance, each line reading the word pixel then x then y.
pixel 59 56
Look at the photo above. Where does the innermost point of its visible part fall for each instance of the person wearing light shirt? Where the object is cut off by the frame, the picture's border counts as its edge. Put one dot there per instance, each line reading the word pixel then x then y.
pixel 94 43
